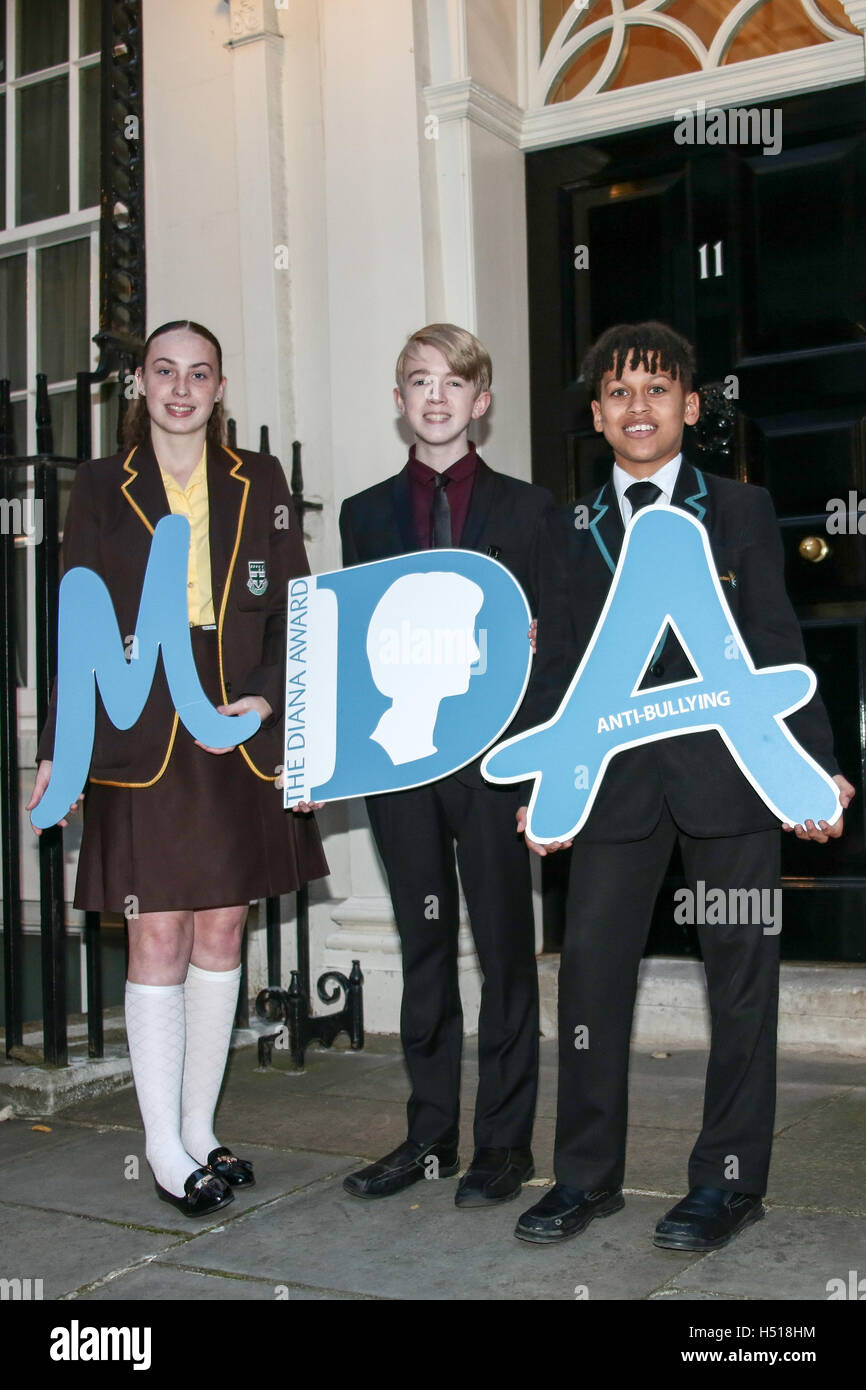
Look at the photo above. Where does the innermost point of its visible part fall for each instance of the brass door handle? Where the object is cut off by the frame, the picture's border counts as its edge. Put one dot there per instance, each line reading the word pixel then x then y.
pixel 813 548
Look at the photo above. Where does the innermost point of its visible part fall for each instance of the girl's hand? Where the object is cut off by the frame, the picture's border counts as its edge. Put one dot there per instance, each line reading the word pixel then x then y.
pixel 302 806
pixel 43 776
pixel 257 703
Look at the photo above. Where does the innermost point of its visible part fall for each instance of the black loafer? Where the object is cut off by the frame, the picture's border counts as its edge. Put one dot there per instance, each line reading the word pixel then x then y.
pixel 494 1176
pixel 205 1193
pixel 399 1169
pixel 237 1172
pixel 565 1211
pixel 707 1219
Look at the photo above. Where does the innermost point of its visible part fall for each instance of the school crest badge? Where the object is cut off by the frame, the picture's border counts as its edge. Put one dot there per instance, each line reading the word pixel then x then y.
pixel 257 582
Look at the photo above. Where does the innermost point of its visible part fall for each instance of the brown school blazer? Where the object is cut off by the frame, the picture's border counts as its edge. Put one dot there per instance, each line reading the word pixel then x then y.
pixel 114 507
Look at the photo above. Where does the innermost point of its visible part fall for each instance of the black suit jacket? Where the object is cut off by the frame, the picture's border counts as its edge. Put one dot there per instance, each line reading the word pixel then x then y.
pixel 696 775
pixel 504 517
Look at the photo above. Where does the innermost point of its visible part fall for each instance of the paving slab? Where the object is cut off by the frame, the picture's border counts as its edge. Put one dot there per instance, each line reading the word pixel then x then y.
pixel 121 1109
pixel 68 1251
pixel 388 1081
pixel 94 1164
pixel 789 1254
pixel 163 1282
pixel 684 1296
pixel 418 1245
pixel 18 1139
pixel 820 1161
pixel 323 1071
pixel 324 1123
pixel 299 1231
pixel 657 1159
pixel 656 1102
pixel 793 1065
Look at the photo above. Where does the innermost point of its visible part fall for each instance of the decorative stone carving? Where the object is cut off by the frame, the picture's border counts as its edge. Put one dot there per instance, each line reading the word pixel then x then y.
pixel 249 18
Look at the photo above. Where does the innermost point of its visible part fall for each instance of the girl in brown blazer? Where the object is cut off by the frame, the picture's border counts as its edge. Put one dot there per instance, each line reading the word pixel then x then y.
pixel 176 836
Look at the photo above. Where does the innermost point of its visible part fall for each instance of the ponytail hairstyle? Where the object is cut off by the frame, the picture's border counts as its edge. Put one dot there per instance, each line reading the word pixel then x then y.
pixel 135 428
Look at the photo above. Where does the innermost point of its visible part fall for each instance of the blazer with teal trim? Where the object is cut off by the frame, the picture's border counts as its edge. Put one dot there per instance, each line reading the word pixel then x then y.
pixel 696 775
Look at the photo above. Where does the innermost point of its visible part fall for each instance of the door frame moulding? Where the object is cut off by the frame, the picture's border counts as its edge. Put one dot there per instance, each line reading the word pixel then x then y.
pixel 755 81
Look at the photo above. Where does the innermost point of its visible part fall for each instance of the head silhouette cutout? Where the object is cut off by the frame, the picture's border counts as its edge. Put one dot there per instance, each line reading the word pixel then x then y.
pixel 420 646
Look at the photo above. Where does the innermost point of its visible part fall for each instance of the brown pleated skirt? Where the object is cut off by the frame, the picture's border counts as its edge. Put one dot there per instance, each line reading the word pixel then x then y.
pixel 209 833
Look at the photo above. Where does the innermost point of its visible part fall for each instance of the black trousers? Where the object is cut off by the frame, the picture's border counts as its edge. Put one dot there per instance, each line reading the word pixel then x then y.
pixel 612 891
pixel 416 831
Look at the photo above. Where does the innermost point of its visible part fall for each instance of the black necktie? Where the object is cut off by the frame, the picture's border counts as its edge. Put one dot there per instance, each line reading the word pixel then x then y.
pixel 642 495
pixel 441 513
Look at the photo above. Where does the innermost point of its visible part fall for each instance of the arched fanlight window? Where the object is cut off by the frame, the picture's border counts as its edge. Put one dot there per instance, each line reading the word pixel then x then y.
pixel 592 46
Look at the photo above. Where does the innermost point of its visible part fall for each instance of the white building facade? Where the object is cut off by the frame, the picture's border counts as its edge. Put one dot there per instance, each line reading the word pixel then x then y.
pixel 325 176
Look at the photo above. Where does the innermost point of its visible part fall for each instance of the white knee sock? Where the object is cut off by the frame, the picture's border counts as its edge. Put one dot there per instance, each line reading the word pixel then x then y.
pixel 156 1033
pixel 211 998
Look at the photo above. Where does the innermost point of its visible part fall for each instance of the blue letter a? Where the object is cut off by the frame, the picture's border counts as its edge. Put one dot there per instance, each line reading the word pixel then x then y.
pixel 604 710
pixel 89 644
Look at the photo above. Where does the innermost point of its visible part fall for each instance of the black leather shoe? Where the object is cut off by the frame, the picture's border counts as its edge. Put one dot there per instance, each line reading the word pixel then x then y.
pixel 707 1219
pixel 399 1169
pixel 565 1211
pixel 494 1176
pixel 205 1192
pixel 237 1172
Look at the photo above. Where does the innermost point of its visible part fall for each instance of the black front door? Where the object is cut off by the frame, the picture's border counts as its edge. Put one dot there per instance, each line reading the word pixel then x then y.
pixel 760 259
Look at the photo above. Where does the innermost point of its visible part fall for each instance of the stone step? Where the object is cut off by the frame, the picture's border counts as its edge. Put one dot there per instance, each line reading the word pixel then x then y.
pixel 821 1007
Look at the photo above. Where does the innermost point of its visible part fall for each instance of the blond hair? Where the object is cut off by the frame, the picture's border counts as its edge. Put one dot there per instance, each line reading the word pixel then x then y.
pixel 465 355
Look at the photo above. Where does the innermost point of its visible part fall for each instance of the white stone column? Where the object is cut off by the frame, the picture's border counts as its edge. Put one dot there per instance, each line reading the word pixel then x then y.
pixel 475 201
pixel 256 48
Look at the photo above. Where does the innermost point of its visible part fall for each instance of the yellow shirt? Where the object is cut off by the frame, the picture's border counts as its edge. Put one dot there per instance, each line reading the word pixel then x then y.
pixel 192 502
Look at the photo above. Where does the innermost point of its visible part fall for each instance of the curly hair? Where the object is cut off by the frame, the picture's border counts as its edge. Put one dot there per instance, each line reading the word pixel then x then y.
pixel 654 346
pixel 136 421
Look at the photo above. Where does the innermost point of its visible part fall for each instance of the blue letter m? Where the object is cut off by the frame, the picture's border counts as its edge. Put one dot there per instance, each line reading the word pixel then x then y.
pixel 89 644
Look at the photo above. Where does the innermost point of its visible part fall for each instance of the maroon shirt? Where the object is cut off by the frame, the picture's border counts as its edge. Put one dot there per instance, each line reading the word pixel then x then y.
pixel 459 492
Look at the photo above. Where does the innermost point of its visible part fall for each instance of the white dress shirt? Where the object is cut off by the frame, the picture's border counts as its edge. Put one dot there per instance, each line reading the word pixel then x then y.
pixel 665 478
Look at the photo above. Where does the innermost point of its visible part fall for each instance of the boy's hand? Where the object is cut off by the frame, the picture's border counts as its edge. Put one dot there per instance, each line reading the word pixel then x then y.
pixel 257 703
pixel 540 850
pixel 532 634
pixel 822 832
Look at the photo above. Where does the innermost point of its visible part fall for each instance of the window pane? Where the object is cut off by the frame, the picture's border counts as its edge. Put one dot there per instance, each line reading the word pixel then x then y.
pixel 63 423
pixel 63 277
pixel 19 426
pixel 88 192
pixel 109 397
pixel 43 34
pixel 91 25
pixel 21 605
pixel 43 150
pixel 2 43
pixel 13 322
pixel 2 161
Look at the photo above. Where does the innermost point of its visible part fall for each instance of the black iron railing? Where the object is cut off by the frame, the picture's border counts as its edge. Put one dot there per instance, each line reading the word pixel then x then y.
pixel 44 468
